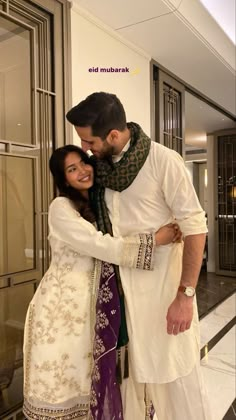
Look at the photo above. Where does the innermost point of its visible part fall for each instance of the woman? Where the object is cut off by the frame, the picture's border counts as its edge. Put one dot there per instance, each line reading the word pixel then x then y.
pixel 73 320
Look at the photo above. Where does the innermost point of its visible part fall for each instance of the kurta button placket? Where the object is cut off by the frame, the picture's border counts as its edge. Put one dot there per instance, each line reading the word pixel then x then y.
pixel 116 213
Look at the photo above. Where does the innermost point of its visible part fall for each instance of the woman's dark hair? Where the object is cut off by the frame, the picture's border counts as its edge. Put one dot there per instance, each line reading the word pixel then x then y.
pixel 57 168
pixel 101 111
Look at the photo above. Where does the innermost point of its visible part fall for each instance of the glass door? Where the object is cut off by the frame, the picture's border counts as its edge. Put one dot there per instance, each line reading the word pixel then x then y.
pixel 225 219
pixel 169 111
pixel 32 98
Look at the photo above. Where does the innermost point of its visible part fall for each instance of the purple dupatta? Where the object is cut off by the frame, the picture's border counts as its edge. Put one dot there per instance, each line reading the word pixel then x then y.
pixel 105 401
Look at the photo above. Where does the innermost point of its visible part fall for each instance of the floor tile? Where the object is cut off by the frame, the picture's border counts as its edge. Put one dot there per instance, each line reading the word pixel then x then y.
pixel 218 368
pixel 212 323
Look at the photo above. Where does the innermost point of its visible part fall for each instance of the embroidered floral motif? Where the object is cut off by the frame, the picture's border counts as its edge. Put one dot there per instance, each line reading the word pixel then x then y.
pixel 61 311
pixel 93 400
pixel 98 346
pixel 102 320
pixel 104 388
pixel 61 371
pixel 107 270
pixel 96 374
pixel 105 294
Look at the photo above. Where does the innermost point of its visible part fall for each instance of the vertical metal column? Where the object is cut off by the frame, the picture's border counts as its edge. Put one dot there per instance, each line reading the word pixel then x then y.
pixel 226 204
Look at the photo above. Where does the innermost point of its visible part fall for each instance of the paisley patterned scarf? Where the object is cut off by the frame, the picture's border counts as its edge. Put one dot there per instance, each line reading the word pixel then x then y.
pixel 120 175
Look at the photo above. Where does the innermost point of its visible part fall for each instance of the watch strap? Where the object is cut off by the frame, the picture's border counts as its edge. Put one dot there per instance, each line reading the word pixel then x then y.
pixel 183 289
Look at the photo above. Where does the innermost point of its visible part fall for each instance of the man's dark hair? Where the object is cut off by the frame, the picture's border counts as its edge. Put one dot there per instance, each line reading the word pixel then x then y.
pixel 101 111
pixel 57 168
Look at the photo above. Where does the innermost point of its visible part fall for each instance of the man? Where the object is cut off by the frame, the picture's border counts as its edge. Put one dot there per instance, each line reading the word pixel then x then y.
pixel 147 186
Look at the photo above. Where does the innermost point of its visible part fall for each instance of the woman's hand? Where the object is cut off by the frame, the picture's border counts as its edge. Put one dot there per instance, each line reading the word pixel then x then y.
pixel 168 233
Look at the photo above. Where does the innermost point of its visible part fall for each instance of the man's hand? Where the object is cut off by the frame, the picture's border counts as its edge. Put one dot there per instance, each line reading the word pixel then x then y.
pixel 180 314
pixel 177 233
pixel 168 233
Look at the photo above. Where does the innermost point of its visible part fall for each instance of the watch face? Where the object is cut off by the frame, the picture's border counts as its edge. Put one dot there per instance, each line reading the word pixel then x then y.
pixel 189 291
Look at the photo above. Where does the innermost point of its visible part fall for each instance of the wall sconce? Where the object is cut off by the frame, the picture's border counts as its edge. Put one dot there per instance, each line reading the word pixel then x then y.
pixel 233 192
pixel 205 178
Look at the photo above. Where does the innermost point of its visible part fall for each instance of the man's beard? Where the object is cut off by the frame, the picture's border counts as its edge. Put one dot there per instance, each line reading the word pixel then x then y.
pixel 107 153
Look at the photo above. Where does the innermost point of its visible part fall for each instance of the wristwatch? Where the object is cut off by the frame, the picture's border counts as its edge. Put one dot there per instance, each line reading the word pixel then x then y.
pixel 187 290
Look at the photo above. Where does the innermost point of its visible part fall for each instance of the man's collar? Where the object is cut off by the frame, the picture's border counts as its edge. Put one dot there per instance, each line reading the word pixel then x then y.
pixel 118 157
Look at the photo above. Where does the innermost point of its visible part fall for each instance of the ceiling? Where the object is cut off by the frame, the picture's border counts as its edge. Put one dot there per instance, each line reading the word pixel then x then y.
pixel 180 35
pixel 200 120
pixel 225 16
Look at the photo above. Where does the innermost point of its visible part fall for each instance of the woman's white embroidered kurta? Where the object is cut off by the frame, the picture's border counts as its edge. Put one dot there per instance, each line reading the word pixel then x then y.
pixel 59 328
pixel 161 192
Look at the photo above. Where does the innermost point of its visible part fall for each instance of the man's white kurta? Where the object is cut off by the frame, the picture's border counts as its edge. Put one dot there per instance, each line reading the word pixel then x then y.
pixel 160 193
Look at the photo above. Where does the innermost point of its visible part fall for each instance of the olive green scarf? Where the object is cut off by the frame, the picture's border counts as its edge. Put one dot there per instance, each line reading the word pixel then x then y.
pixel 119 176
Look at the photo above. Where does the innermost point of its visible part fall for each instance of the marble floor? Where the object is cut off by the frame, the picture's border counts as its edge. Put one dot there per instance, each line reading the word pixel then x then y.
pixel 212 290
pixel 218 338
pixel 216 297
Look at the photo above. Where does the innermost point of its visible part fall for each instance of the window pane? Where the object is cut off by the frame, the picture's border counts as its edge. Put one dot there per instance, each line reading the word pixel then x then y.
pixel 15 83
pixel 43 44
pixel 17 236
pixel 226 202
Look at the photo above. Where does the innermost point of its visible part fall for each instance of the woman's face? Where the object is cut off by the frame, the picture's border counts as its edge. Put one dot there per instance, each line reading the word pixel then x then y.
pixel 78 174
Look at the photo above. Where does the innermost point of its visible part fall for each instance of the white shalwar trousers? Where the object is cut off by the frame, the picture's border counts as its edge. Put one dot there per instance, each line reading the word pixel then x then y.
pixel 183 399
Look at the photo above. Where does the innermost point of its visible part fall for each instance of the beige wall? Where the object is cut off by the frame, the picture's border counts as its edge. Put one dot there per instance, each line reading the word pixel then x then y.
pixel 94 45
pixel 203 186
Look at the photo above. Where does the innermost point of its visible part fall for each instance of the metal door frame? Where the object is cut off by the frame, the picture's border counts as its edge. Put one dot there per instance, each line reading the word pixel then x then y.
pixel 160 78
pixel 54 103
pixel 216 203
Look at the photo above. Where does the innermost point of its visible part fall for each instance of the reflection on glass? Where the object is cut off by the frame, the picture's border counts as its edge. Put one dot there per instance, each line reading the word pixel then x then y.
pixel 172 118
pixel 43 43
pixel 12 318
pixel 226 202
pixel 15 83
pixel 17 251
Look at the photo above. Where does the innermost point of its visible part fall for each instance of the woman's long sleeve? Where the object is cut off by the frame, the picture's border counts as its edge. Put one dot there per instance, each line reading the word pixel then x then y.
pixel 66 224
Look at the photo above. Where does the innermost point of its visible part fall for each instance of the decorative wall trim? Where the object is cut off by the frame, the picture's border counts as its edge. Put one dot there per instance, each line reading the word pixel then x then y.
pixel 183 19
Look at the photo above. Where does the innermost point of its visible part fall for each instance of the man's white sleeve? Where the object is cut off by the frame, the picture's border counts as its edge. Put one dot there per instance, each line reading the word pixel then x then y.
pixel 181 197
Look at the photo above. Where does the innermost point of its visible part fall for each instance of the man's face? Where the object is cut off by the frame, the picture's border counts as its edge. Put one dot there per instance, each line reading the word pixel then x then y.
pixel 100 148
